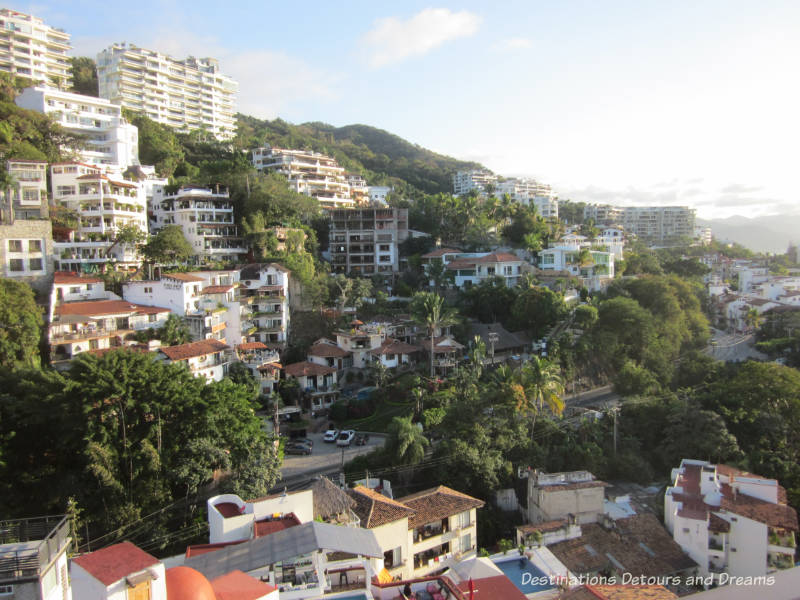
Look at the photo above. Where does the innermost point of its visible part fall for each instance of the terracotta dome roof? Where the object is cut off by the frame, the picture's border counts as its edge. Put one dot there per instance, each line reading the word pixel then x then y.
pixel 184 583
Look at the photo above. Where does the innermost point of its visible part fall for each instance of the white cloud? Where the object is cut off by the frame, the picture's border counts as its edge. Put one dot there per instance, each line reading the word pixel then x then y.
pixel 516 44
pixel 393 40
pixel 271 82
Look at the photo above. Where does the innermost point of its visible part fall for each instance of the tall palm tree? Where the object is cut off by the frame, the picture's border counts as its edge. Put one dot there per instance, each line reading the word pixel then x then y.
pixel 406 442
pixel 429 309
pixel 543 385
pixel 752 318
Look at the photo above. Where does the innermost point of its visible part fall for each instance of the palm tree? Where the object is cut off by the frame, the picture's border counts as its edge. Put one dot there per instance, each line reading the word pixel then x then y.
pixel 541 380
pixel 533 387
pixel 429 309
pixel 406 442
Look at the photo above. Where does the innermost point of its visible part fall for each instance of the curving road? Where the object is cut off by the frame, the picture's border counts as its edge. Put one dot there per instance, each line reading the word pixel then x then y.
pixel 733 347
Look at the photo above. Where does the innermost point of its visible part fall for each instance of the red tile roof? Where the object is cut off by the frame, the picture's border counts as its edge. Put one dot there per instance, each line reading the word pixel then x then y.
pixel 111 564
pixel 327 350
pixel 68 277
pixel 496 257
pixel 437 503
pixel 192 349
pixel 237 585
pixel 92 308
pixel 98 176
pixel 392 346
pixel 543 527
pixel 375 509
pixel 183 277
pixel 619 592
pixel 305 368
pixel 216 289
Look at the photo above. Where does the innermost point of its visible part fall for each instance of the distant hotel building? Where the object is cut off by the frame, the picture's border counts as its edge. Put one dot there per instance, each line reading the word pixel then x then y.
pixel 309 173
pixel 523 191
pixel 466 181
pixel 29 48
pixel 185 94
pixel 655 224
pixel 111 141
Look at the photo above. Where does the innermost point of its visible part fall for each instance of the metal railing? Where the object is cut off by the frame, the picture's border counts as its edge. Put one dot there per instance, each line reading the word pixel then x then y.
pixel 52 533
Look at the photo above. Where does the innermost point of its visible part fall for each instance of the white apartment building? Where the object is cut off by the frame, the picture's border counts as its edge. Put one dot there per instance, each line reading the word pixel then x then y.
pixel 471 268
pixel 206 217
pixel 26 198
pixel 96 325
pixel 359 190
pixel 530 192
pixel 264 300
pixel 309 173
pixel 111 141
pixel 466 181
pixel 593 273
pixel 29 48
pixel 655 224
pixel 730 521
pixel 378 194
pixel 104 204
pixel 365 241
pixel 208 359
pixel 185 94
pixel 422 533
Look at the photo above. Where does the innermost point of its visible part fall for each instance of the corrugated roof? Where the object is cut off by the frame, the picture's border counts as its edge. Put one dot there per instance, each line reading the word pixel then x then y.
pixel 216 289
pixel 286 544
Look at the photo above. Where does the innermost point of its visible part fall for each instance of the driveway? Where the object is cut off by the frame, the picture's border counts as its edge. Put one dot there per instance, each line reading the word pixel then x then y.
pixel 325 457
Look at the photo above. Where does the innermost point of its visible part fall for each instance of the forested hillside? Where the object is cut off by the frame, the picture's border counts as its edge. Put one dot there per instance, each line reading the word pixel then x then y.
pixel 382 157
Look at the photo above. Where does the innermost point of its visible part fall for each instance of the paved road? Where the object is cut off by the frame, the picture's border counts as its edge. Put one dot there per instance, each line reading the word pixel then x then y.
pixel 733 347
pixel 324 457
pixel 600 397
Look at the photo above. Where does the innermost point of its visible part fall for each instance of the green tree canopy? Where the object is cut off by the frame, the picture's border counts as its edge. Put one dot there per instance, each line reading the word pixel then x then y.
pixel 168 246
pixel 20 325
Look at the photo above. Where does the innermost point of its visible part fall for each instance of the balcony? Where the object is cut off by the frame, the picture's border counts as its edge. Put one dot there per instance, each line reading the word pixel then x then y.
pixel 31 545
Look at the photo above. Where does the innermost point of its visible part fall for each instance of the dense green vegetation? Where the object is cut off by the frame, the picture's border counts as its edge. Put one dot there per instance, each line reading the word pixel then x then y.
pixel 84 76
pixel 131 440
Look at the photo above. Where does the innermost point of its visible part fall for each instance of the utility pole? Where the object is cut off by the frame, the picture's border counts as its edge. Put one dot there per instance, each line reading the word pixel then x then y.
pixel 616 411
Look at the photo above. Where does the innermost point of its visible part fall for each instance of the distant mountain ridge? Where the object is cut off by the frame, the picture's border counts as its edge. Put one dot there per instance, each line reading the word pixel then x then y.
pixel 772 233
pixel 384 158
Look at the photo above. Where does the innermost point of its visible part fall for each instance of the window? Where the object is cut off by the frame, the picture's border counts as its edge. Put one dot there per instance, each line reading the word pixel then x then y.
pixel 6 590
pixel 466 543
pixel 34 245
pixel 152 318
pixel 30 195
pixel 148 290
pixel 36 264
pixel 384 248
pixel 464 519
pixel 75 290
pixel 15 265
pixel 15 245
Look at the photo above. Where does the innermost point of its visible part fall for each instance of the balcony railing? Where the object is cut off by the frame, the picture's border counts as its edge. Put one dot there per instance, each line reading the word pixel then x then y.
pixel 52 533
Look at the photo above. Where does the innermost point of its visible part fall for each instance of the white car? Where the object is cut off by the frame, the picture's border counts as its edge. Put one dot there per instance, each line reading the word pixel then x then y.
pixel 345 437
pixel 330 435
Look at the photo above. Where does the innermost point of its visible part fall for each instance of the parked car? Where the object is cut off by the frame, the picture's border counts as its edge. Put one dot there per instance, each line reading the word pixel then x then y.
pixel 361 439
pixel 294 448
pixel 345 437
pixel 330 435
pixel 303 440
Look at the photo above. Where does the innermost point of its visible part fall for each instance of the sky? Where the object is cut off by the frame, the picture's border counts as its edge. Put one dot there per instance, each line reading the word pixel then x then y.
pixel 625 102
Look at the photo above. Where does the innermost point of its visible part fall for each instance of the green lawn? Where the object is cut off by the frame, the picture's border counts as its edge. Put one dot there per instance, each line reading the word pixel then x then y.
pixel 380 419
